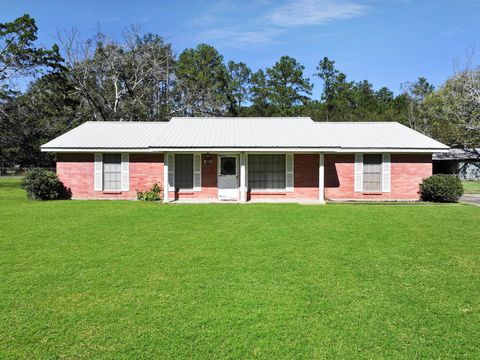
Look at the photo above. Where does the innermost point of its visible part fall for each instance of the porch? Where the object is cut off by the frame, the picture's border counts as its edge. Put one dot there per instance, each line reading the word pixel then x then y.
pixel 230 177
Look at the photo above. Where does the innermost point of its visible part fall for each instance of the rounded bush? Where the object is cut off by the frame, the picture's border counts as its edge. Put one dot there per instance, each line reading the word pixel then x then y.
pixel 41 184
pixel 441 188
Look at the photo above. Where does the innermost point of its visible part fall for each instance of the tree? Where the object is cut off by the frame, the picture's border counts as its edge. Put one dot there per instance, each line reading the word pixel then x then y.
pixel 453 111
pixel 201 82
pixel 420 89
pixel 287 85
pixel 152 63
pixel 128 81
pixel 329 74
pixel 365 102
pixel 441 126
pixel 342 100
pixel 416 94
pixel 384 97
pixel 336 93
pixel 47 109
pixel 260 95
pixel 461 101
pixel 19 56
pixel 239 85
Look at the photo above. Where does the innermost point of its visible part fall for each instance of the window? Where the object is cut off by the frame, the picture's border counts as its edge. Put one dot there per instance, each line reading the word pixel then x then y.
pixel 183 172
pixel 228 165
pixel 112 172
pixel 372 172
pixel 266 172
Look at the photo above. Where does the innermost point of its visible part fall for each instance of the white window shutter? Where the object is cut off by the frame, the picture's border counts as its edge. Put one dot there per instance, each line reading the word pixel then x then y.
pixel 289 172
pixel 171 172
pixel 197 172
pixel 386 173
pixel 358 172
pixel 125 172
pixel 98 172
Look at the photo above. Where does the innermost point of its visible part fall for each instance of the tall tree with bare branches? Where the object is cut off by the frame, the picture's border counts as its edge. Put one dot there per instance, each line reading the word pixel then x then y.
pixel 128 81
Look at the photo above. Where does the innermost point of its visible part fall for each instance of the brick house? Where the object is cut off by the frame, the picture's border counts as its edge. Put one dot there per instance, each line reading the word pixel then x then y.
pixel 245 159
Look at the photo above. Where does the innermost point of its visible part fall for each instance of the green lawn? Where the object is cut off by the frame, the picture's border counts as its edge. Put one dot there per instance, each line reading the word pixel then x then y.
pixel 471 187
pixel 123 280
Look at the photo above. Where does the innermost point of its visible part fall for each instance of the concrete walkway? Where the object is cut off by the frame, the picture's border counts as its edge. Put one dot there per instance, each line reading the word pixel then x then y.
pixel 259 201
pixel 473 199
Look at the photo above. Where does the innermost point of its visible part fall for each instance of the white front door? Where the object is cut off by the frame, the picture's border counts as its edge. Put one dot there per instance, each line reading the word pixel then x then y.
pixel 228 177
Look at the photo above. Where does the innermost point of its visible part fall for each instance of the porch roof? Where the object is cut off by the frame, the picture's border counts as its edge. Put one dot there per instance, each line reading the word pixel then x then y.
pixel 243 134
pixel 458 155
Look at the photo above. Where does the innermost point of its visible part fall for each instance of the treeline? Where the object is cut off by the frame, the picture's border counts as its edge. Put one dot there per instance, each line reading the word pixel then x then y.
pixel 141 79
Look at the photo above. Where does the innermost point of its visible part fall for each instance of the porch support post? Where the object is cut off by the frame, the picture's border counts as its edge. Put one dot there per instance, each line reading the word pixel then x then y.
pixel 321 178
pixel 243 176
pixel 166 185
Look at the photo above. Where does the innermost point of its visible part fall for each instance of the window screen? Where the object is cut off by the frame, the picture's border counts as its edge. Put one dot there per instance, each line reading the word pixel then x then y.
pixel 112 172
pixel 266 172
pixel 372 172
pixel 228 165
pixel 183 171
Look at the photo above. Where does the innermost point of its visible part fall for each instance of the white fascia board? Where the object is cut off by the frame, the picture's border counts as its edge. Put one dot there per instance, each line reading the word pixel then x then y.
pixel 188 150
pixel 389 150
pixel 91 150
pixel 252 150
pixel 247 150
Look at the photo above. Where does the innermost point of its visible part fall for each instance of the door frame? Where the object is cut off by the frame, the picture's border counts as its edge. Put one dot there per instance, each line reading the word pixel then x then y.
pixel 237 170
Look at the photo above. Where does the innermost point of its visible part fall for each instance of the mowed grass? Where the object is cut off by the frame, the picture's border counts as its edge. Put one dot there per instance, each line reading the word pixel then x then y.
pixel 123 280
pixel 471 187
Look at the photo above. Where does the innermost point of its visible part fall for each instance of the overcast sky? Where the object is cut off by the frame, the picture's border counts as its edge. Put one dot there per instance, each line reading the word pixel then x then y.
pixel 384 41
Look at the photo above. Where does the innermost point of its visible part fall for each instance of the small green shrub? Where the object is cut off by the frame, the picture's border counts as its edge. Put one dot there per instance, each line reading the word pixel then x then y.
pixel 154 194
pixel 441 188
pixel 41 184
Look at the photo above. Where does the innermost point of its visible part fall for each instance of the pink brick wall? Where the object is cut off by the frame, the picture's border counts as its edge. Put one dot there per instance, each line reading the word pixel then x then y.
pixel 407 172
pixel 76 171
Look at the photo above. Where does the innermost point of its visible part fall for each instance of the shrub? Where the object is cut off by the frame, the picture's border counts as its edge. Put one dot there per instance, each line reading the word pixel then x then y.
pixel 154 194
pixel 41 184
pixel 441 188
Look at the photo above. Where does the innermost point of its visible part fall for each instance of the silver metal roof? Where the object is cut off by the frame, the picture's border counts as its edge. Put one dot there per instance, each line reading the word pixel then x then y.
pixel 109 134
pixel 385 135
pixel 242 133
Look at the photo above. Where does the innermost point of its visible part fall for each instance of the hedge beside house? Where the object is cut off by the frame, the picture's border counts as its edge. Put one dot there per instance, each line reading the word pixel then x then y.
pixel 441 188
pixel 41 184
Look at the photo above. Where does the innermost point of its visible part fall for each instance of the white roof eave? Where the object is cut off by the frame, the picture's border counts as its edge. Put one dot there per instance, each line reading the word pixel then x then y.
pixel 250 150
